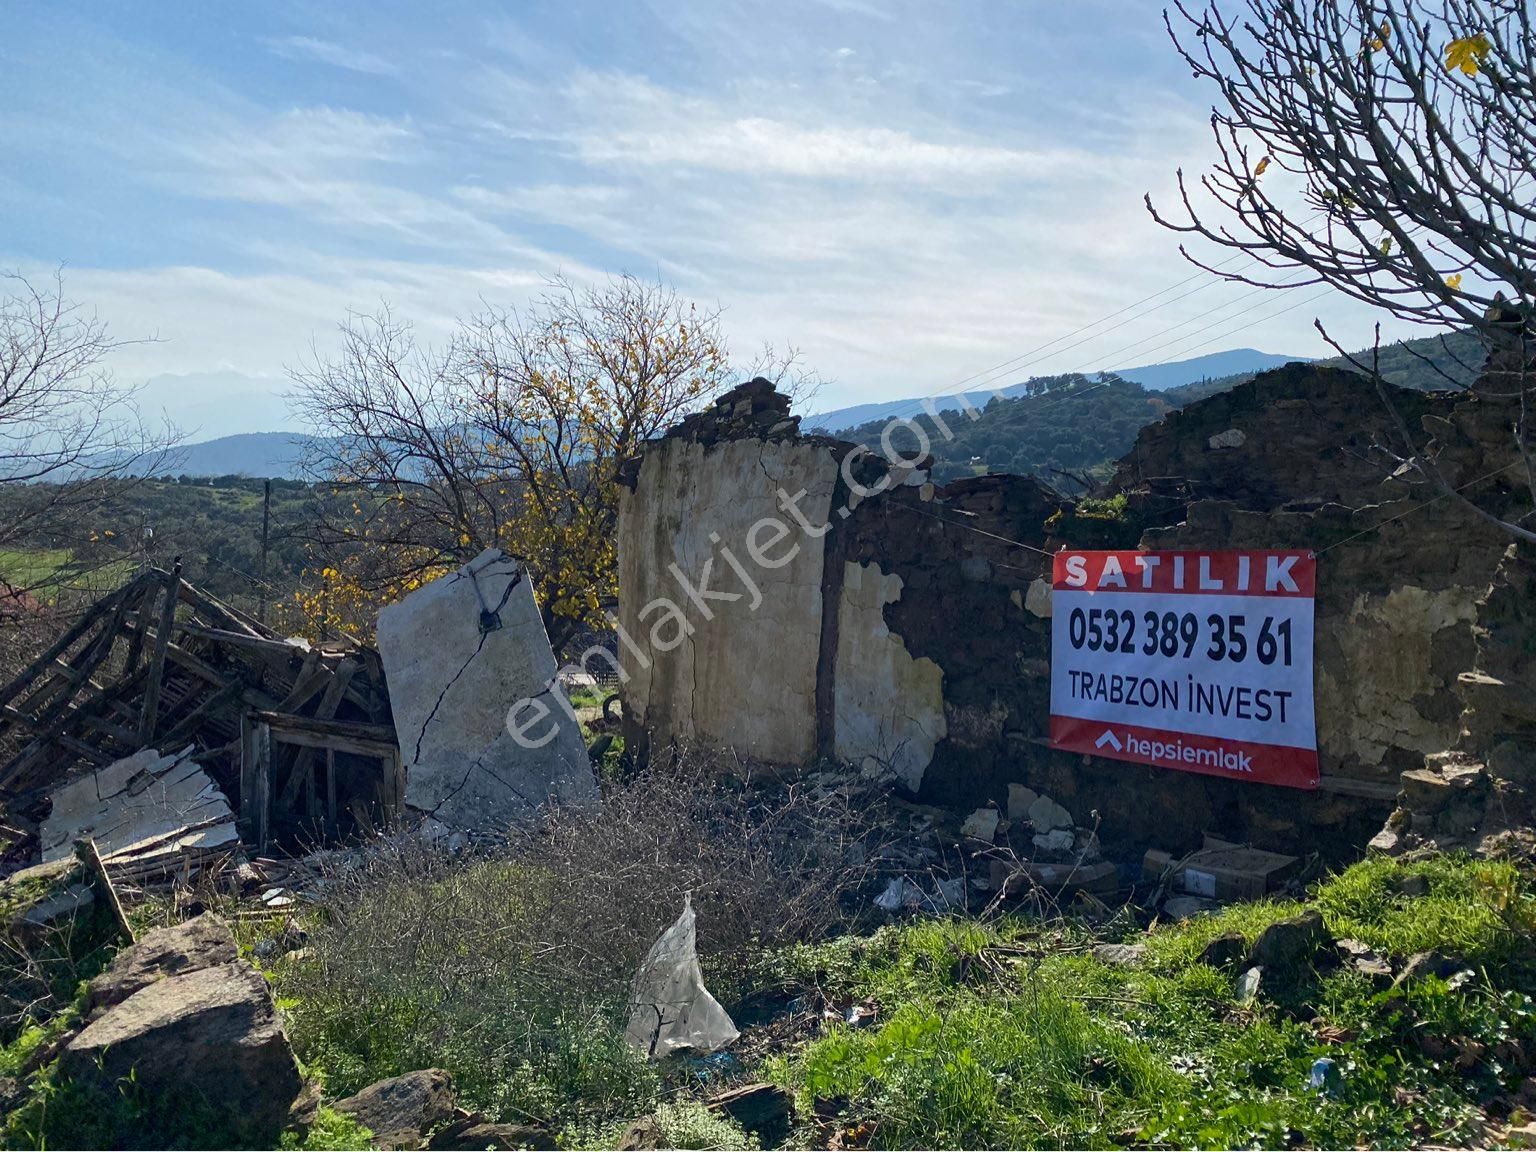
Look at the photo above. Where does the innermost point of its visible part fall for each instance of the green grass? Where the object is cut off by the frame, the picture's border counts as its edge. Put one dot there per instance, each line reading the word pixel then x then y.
pixel 32 569
pixel 48 571
pixel 1035 1043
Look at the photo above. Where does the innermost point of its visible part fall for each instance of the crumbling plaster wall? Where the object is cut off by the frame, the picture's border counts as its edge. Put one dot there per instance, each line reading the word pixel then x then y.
pixel 947 590
pixel 888 706
pixel 729 674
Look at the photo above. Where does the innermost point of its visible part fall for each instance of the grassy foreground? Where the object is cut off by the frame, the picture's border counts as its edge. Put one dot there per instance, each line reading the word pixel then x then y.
pixel 1013 1033
pixel 1005 1033
pixel 1004 1036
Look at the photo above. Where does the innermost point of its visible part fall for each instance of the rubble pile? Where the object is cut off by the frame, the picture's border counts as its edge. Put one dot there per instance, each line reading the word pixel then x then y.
pixel 755 408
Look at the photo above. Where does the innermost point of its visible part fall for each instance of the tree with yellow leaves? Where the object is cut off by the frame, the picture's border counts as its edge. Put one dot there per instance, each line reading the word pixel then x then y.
pixel 1386 148
pixel 508 436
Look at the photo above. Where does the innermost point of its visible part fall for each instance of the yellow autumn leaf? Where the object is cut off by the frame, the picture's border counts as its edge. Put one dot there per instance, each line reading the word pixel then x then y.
pixel 1453 282
pixel 1262 165
pixel 1466 54
pixel 1385 246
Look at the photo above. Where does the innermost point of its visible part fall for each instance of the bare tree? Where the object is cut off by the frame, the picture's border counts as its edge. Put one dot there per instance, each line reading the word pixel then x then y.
pixel 1386 148
pixel 70 435
pixel 507 435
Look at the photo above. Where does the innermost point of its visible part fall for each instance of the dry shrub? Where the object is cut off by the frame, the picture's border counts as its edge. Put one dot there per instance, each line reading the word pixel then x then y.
pixel 512 968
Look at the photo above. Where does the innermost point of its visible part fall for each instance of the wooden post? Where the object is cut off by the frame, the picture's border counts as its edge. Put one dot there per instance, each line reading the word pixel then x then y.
pixel 85 852
pixel 255 782
pixel 151 712
pixel 330 793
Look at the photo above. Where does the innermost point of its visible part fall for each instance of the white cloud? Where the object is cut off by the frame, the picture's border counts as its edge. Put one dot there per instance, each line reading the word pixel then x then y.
pixel 328 52
pixel 635 122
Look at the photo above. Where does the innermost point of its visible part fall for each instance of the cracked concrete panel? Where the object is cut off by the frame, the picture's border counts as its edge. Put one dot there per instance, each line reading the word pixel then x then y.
pixel 1382 668
pixel 738 672
pixel 452 686
pixel 888 705
pixel 144 805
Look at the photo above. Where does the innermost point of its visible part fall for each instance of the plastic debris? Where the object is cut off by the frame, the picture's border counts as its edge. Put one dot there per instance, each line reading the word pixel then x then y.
pixel 1326 1077
pixel 1248 985
pixel 670 1009
pixel 902 893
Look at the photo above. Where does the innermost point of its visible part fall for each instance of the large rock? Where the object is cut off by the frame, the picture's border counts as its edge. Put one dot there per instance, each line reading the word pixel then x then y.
pixel 202 942
pixel 403 1111
pixel 460 682
pixel 207 1042
pixel 1288 944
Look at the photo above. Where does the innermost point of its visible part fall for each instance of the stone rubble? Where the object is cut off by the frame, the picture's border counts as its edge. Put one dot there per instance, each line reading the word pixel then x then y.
pixel 191 1023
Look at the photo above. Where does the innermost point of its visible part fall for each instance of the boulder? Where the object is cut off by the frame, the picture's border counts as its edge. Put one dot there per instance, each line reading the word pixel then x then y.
pixel 475 1132
pixel 1019 800
pixel 1364 959
pixel 402 1112
pixel 1224 951
pixel 207 1041
pixel 756 1107
pixel 1291 943
pixel 1056 842
pixel 981 825
pixel 642 1134
pixel 1422 964
pixel 202 942
pixel 1183 907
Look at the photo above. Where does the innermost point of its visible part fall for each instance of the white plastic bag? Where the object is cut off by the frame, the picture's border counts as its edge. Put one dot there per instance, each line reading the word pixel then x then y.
pixel 670 1009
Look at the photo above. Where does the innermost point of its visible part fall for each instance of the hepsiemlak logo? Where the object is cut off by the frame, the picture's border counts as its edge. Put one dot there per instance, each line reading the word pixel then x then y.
pixel 1178 752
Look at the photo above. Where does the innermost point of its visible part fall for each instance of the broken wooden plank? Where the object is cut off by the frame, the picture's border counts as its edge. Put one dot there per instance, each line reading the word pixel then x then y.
pixel 288 727
pixel 151 707
pixel 304 764
pixel 81 626
pixel 228 615
pixel 187 726
pixel 85 850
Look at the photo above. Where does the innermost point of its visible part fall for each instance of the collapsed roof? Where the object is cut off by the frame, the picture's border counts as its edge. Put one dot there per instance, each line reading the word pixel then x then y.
pixel 297 735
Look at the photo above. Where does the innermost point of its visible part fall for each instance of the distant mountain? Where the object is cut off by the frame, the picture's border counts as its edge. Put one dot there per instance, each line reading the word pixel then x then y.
pixel 258 454
pixel 1233 362
pixel 1153 377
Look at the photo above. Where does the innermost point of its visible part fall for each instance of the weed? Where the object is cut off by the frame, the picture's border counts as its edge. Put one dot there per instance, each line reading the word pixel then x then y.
pixel 332 1131
pixel 513 970
pixel 1068 1051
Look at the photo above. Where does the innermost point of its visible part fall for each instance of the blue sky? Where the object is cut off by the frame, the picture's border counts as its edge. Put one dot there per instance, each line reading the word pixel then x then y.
pixel 909 193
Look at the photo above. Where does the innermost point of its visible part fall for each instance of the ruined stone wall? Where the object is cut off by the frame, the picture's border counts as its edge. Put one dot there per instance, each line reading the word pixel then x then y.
pixel 913 634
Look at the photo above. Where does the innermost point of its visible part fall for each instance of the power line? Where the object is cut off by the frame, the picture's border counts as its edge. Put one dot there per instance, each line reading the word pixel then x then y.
pixel 1013 363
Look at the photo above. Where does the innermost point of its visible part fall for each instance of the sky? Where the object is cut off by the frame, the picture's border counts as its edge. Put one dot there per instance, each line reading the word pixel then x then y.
pixel 907 193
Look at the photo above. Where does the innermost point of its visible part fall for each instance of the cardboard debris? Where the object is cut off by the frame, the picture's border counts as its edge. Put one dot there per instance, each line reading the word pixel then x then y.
pixel 1221 870
pixel 150 816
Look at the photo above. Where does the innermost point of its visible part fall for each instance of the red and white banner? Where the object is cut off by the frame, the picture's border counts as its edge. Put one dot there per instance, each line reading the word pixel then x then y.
pixel 1200 661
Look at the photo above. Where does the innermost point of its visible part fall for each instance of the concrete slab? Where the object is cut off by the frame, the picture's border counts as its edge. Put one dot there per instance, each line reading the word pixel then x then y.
pixel 452 686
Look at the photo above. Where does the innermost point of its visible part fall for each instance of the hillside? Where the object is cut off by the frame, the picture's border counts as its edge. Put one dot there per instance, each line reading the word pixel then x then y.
pixel 1072 424
pixel 1430 363
pixel 1155 377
